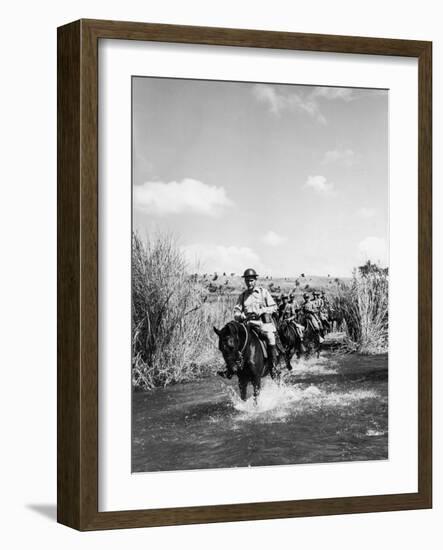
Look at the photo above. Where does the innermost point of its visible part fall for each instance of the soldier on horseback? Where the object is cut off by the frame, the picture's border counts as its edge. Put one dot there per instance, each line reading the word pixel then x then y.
pixel 310 311
pixel 289 314
pixel 255 306
pixel 285 310
pixel 325 308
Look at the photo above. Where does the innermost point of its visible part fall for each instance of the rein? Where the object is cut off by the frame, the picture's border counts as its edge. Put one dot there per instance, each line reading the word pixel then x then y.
pixel 246 338
pixel 241 348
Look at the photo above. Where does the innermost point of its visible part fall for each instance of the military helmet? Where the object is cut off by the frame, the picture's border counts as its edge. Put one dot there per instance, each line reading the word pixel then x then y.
pixel 284 296
pixel 306 295
pixel 316 293
pixel 250 273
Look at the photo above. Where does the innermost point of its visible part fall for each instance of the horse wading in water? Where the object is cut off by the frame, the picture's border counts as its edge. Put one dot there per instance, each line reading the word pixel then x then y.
pixel 291 338
pixel 314 331
pixel 244 356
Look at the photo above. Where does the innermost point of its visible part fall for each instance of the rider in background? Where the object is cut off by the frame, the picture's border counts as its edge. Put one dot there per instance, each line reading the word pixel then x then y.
pixel 284 309
pixel 317 303
pixel 310 313
pixel 325 301
pixel 325 308
pixel 295 306
pixel 290 312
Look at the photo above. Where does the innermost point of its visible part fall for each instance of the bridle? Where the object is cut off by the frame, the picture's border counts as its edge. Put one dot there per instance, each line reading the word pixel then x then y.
pixel 241 348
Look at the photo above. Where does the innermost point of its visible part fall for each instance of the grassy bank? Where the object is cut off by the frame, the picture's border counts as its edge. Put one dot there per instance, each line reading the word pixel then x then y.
pixel 172 317
pixel 363 305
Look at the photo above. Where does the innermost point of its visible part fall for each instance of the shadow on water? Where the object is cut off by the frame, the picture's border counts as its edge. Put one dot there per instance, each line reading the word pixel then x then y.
pixel 326 410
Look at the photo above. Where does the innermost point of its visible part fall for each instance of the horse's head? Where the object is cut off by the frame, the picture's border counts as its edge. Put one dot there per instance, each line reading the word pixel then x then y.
pixel 229 344
pixel 288 333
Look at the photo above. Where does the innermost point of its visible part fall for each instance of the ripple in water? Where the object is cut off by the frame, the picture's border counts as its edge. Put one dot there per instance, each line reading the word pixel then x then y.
pixel 277 402
pixel 313 367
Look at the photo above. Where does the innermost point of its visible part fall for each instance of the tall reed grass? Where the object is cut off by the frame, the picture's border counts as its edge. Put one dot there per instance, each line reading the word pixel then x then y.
pixel 172 316
pixel 363 306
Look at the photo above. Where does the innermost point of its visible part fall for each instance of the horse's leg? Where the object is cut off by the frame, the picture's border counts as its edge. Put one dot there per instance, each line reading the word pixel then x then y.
pixel 309 349
pixel 288 357
pixel 243 386
pixel 256 384
pixel 271 369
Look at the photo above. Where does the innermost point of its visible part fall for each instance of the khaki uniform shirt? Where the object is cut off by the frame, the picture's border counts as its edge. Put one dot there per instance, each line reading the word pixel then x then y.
pixel 287 311
pixel 309 307
pixel 258 301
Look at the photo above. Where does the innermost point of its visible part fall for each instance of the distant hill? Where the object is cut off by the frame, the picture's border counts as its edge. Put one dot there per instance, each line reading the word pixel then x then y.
pixel 226 284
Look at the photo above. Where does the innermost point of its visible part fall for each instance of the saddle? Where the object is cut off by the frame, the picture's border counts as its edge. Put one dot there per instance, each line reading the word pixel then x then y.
pixel 262 340
pixel 313 320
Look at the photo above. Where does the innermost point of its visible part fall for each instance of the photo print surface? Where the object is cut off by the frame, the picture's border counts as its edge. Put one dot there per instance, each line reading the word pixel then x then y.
pixel 260 274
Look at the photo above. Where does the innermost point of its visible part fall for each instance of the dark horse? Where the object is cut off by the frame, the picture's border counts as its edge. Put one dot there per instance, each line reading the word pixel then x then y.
pixel 290 341
pixel 243 354
pixel 312 337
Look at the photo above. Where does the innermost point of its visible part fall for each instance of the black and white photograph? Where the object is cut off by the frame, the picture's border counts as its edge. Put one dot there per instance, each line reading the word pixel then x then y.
pixel 260 274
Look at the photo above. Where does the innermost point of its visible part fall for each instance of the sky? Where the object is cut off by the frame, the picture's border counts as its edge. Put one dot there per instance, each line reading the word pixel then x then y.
pixel 286 179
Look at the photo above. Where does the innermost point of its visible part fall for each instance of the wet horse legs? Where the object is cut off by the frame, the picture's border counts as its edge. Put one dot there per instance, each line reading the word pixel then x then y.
pixel 243 387
pixel 256 384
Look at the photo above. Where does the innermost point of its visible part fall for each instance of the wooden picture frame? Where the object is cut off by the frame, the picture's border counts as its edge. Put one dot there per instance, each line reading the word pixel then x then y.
pixel 77 456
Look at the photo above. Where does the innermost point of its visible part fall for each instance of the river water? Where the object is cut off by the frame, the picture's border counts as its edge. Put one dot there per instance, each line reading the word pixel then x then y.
pixel 330 409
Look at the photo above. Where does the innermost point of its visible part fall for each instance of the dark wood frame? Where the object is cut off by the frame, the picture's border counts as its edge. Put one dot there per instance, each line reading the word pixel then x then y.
pixel 77 451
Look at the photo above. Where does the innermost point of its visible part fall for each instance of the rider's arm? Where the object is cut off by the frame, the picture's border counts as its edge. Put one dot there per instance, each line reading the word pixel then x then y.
pixel 271 306
pixel 238 309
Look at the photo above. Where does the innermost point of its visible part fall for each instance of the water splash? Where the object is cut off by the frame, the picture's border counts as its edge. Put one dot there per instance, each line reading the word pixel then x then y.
pixel 277 402
pixel 374 433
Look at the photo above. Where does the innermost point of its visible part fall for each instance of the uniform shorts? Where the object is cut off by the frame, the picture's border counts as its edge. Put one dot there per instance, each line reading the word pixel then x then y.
pixel 267 329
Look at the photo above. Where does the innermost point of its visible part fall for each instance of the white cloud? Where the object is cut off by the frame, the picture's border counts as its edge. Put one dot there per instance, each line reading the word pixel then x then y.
pixel 230 259
pixel 346 157
pixel 189 195
pixel 366 213
pixel 320 185
pixel 279 101
pixel 273 239
pixel 326 92
pixel 374 249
